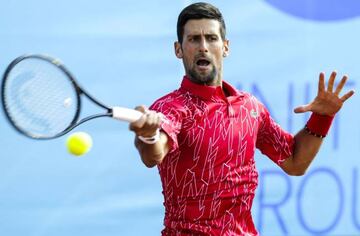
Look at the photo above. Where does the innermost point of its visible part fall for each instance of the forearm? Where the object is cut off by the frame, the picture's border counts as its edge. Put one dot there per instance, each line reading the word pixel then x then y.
pixel 307 144
pixel 305 150
pixel 152 154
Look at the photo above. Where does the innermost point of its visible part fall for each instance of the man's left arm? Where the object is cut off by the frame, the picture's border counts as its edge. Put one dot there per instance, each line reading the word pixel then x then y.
pixel 308 140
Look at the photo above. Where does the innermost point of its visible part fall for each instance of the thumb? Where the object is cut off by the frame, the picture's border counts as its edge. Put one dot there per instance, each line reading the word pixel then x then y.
pixel 136 125
pixel 302 109
pixel 141 108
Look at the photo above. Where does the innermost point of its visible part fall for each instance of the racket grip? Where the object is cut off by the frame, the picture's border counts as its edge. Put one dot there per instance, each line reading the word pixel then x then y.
pixel 126 114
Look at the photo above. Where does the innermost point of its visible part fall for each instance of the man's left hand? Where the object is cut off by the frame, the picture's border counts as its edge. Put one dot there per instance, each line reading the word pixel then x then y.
pixel 327 101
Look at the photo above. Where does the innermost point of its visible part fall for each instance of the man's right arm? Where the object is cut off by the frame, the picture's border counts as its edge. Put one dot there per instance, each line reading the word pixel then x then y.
pixel 152 153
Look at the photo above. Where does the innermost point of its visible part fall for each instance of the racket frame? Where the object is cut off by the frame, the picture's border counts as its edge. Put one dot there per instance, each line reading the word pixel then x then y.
pixel 78 89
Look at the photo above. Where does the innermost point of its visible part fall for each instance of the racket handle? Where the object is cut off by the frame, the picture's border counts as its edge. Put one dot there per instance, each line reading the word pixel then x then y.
pixel 126 114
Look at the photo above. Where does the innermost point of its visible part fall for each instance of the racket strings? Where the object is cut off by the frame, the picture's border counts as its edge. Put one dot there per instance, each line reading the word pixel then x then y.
pixel 40 98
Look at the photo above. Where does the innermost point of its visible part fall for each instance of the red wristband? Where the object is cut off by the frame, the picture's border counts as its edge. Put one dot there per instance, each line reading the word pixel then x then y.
pixel 319 125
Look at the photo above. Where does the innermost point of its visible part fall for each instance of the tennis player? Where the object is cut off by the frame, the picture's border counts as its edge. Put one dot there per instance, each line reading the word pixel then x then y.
pixel 202 137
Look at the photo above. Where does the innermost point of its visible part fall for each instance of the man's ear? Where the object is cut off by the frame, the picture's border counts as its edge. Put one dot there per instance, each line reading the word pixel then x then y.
pixel 226 50
pixel 178 50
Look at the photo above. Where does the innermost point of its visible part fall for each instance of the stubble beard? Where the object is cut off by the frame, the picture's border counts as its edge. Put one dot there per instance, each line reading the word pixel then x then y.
pixel 207 79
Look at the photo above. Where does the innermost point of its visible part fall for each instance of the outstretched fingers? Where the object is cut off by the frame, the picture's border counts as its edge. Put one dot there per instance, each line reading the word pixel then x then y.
pixel 302 109
pixel 341 85
pixel 347 95
pixel 321 86
pixel 331 82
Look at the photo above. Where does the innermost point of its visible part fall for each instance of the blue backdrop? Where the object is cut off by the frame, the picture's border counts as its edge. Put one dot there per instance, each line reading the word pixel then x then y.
pixel 122 52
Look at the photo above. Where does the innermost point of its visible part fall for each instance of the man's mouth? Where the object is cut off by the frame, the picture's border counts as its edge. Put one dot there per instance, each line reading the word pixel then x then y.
pixel 202 63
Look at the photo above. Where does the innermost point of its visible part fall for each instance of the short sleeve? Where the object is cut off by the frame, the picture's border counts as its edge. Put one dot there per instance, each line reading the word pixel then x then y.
pixel 272 140
pixel 172 119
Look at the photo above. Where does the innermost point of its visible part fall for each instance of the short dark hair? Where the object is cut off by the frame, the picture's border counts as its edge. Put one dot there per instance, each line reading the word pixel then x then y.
pixel 197 11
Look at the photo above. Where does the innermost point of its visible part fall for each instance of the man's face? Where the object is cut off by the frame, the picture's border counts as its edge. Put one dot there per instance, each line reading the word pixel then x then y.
pixel 202 51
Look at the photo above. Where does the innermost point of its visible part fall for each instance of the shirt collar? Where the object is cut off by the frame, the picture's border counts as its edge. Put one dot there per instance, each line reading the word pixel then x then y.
pixel 208 92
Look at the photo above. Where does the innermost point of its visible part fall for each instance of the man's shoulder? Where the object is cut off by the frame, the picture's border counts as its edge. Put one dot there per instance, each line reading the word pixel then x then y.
pixel 174 98
pixel 244 93
pixel 249 98
pixel 247 95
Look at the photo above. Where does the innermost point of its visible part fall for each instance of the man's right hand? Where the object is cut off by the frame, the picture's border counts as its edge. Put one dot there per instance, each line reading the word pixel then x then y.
pixel 147 126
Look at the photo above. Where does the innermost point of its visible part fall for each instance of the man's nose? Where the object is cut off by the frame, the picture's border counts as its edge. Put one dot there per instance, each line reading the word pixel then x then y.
pixel 203 47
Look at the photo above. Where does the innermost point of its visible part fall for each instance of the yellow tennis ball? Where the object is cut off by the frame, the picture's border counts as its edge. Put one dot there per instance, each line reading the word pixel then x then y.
pixel 79 143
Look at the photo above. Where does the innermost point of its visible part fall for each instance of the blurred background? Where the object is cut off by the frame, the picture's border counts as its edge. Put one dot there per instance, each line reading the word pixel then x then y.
pixel 122 53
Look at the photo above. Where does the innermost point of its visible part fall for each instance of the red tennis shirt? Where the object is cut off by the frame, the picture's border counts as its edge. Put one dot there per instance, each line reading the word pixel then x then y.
pixel 209 176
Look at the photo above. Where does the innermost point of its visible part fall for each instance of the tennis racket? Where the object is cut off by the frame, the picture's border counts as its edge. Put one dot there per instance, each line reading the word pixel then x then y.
pixel 42 100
